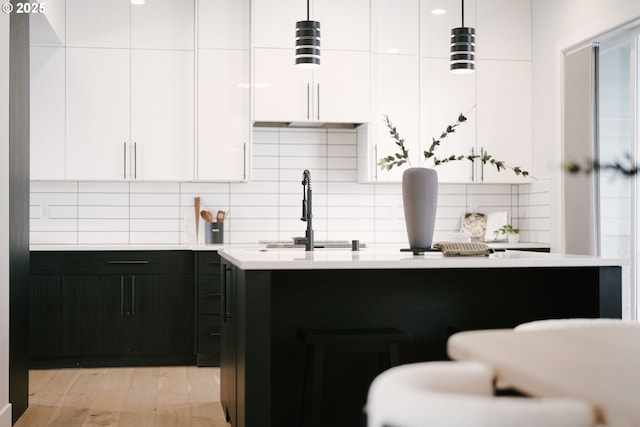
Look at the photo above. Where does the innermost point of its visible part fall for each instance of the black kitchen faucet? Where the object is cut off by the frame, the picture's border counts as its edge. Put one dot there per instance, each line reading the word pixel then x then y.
pixel 307 214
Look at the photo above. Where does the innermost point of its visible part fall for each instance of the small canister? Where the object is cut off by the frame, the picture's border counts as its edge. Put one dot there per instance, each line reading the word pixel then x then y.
pixel 214 233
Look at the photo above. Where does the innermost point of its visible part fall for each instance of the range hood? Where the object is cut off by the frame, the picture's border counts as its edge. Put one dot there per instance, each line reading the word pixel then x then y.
pixel 309 124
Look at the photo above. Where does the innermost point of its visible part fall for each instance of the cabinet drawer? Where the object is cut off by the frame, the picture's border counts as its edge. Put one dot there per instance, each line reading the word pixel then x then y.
pixel 208 334
pixel 209 294
pixel 128 262
pixel 45 263
pixel 208 263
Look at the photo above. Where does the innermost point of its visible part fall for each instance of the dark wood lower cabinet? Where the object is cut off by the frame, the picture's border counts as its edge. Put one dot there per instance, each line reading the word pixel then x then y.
pixel 208 308
pixel 45 316
pixel 113 309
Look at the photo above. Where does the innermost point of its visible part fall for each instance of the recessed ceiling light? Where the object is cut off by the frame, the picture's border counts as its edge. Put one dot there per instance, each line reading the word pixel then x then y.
pixel 438 12
pixel 138 2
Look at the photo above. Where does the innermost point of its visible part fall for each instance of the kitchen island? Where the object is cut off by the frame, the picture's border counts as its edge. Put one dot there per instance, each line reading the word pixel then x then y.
pixel 270 295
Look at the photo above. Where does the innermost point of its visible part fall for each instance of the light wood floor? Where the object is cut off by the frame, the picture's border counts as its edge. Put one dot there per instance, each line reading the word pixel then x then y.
pixel 124 397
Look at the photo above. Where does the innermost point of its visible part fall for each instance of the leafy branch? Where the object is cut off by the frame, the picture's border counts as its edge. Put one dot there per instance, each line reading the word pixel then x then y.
pixel 628 168
pixel 397 159
pixel 402 157
pixel 436 142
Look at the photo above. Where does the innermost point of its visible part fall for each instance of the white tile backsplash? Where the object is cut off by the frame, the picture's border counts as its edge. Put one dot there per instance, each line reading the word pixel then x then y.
pixel 269 207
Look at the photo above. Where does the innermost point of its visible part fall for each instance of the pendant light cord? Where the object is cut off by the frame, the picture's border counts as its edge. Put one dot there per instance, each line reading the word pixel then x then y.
pixel 308 10
pixel 462 12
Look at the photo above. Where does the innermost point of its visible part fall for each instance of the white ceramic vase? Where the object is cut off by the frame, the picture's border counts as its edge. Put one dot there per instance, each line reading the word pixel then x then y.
pixel 420 200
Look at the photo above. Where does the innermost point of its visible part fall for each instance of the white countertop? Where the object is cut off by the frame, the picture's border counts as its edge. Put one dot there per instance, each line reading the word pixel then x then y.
pixel 393 258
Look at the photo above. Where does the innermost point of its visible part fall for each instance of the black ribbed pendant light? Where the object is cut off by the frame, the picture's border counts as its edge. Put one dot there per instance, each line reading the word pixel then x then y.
pixel 307 43
pixel 463 45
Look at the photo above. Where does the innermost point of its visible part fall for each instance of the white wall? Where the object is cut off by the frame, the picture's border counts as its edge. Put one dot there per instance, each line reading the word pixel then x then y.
pixel 558 25
pixel 5 407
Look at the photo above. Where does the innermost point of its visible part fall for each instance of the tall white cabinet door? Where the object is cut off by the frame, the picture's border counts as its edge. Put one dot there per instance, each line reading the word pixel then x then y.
pixel 444 96
pixel 394 80
pixel 47 113
pixel 344 24
pixel 505 116
pixel 274 22
pixel 387 17
pixel 224 24
pixel 282 92
pixel 162 114
pixel 511 39
pixel 97 119
pixel 163 24
pixel 98 23
pixel 223 114
pixel 342 90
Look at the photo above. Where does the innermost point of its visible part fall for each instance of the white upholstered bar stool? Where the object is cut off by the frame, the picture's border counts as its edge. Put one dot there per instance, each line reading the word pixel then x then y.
pixel 564 323
pixel 460 394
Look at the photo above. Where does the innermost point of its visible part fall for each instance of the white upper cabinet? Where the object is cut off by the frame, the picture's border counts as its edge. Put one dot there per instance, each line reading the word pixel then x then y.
pixel 387 18
pixel 444 96
pixel 129 91
pixel 504 124
pixel 163 24
pixel 342 89
pixel 394 82
pixel 162 115
pixel 344 25
pixel 503 29
pixel 435 39
pixel 274 22
pixel 337 92
pixel 98 23
pixel 395 89
pixel 224 24
pixel 47 134
pixel 97 119
pixel 157 24
pixel 137 124
pixel 224 126
pixel 223 146
pixel 282 92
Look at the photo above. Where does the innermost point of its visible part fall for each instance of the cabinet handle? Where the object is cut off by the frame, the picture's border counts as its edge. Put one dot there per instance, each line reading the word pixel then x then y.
pixel 225 314
pixel 375 165
pixel 124 165
pixel 135 160
pixel 128 262
pixel 133 295
pixel 308 102
pixel 481 164
pixel 223 290
pixel 473 165
pixel 121 295
pixel 244 162
pixel 215 295
pixel 318 102
pixel 215 334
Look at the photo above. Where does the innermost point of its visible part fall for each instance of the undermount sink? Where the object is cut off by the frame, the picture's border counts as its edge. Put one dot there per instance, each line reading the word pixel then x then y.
pixel 318 244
